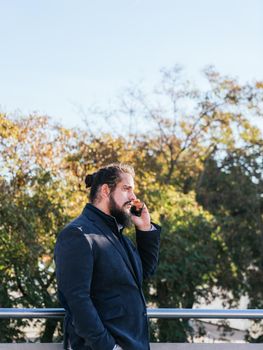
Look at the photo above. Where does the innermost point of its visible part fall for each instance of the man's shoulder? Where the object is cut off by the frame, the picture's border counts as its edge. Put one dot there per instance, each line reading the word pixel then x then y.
pixel 73 233
pixel 80 224
pixel 88 223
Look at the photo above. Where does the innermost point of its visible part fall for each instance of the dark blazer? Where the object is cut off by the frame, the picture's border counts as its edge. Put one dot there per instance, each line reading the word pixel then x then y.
pixel 99 280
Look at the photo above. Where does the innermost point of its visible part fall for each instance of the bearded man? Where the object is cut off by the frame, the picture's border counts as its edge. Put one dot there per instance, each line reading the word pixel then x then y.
pixel 100 271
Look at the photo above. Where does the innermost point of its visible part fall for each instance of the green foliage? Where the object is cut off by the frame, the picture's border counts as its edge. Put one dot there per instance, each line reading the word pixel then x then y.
pixel 233 192
pixel 198 162
pixel 188 259
pixel 31 214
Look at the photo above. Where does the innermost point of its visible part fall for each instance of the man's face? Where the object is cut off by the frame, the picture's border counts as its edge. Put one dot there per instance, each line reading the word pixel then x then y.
pixel 120 200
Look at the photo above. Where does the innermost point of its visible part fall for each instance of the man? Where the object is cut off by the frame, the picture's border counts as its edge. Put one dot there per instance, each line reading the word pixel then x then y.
pixel 100 271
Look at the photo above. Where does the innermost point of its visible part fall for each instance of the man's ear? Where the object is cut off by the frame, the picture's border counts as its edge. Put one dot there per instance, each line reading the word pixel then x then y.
pixel 105 191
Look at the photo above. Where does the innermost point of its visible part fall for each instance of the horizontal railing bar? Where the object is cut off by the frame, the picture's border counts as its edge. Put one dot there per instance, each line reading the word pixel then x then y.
pixel 31 313
pixel 151 313
pixel 206 313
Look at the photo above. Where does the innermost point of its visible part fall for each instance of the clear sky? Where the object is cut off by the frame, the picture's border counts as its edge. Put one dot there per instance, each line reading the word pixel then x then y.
pixel 59 54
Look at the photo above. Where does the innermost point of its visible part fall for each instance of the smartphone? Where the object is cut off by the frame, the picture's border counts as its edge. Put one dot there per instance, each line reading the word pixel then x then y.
pixel 137 207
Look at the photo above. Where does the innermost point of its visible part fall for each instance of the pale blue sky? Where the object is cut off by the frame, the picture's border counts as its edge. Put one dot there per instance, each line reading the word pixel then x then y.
pixel 56 54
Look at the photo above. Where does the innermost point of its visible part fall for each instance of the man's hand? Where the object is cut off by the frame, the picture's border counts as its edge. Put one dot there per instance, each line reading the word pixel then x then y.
pixel 117 347
pixel 143 222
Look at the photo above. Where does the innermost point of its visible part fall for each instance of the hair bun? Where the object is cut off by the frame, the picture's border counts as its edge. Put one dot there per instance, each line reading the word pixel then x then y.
pixel 88 180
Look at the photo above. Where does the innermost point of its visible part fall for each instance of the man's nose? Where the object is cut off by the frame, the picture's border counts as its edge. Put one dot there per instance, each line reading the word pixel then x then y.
pixel 132 197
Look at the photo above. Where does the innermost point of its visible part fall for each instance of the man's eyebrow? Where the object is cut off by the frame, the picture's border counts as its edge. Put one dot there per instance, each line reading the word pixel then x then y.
pixel 127 186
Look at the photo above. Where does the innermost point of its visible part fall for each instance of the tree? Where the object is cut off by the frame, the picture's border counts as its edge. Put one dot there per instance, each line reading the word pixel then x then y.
pixel 189 252
pixel 233 192
pixel 172 150
pixel 198 160
pixel 32 211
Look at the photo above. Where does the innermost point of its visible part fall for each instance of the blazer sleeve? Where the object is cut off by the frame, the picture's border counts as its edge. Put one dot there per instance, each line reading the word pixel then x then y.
pixel 148 245
pixel 74 268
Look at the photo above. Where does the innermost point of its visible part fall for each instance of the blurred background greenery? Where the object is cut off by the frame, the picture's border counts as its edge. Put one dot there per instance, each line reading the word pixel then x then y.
pixel 199 166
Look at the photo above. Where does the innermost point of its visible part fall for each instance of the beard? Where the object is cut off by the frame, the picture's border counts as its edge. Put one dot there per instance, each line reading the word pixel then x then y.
pixel 121 216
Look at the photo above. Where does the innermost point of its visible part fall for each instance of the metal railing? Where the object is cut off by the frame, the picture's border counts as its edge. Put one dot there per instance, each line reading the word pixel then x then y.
pixel 151 313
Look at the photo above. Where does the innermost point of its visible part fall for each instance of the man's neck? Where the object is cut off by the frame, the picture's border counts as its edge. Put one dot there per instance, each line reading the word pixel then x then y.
pixel 102 206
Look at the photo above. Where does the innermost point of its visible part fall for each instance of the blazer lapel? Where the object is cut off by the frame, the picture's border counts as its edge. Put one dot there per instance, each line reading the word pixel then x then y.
pixel 105 230
pixel 134 261
pixel 114 240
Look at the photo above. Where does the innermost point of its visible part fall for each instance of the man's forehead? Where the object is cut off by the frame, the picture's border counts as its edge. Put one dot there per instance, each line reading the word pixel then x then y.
pixel 127 180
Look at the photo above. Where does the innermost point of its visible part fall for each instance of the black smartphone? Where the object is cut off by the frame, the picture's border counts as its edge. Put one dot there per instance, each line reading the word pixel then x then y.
pixel 137 207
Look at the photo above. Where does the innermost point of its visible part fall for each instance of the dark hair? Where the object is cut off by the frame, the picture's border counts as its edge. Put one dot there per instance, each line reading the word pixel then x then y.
pixel 110 175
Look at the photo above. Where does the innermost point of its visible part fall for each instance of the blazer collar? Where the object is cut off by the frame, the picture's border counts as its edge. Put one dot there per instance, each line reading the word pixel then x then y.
pixel 93 213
